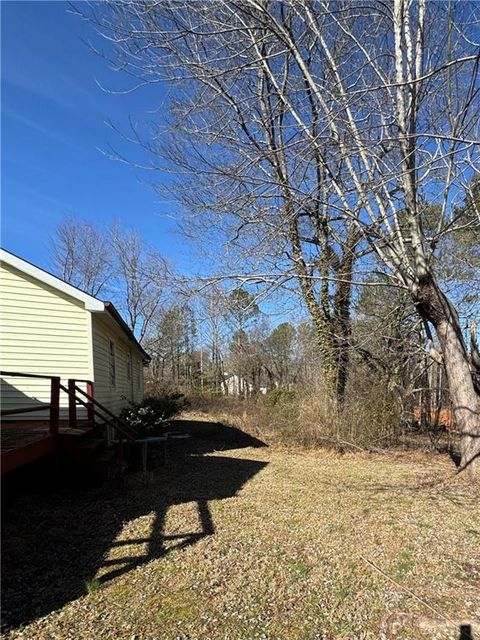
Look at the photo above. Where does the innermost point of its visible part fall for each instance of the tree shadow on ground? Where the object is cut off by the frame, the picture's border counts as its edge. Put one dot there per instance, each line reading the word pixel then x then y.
pixel 207 436
pixel 56 537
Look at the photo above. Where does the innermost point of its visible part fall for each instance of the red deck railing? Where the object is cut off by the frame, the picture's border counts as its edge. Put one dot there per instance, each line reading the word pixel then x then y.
pixel 54 406
pixel 28 442
pixel 94 408
pixel 76 397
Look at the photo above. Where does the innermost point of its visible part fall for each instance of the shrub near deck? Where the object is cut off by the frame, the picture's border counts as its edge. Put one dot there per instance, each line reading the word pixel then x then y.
pixel 257 543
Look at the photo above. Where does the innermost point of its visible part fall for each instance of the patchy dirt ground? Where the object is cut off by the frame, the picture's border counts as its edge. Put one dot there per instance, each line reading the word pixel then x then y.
pixel 247 543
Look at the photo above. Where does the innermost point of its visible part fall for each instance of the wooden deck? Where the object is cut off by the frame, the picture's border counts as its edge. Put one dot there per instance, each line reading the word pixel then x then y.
pixel 24 441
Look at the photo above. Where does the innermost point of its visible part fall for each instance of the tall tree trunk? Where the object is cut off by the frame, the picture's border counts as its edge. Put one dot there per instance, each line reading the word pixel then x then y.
pixel 319 311
pixel 465 400
pixel 342 323
pixel 435 307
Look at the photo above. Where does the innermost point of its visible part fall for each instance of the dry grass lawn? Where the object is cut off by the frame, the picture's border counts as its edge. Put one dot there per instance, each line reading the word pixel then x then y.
pixel 270 544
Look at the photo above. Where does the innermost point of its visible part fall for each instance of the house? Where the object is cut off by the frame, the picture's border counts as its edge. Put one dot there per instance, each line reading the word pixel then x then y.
pixel 67 359
pixel 52 328
pixel 234 385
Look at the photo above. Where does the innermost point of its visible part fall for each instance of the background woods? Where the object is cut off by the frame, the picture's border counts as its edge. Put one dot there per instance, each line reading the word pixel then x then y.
pixel 331 150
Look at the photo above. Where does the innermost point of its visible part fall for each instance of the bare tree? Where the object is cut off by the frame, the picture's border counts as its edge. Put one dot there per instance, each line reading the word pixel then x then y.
pixel 114 263
pixel 141 275
pixel 316 130
pixel 278 352
pixel 402 111
pixel 212 312
pixel 256 183
pixel 82 255
pixel 172 345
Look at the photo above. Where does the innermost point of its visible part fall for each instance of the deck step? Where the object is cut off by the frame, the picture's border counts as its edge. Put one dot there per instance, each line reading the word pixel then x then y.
pixel 72 437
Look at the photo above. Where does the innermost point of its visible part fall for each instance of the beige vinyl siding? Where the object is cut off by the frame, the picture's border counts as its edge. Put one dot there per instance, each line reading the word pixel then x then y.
pixel 125 389
pixel 137 372
pixel 43 331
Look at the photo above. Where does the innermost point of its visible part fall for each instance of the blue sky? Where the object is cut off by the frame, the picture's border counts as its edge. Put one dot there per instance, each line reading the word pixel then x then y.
pixel 53 131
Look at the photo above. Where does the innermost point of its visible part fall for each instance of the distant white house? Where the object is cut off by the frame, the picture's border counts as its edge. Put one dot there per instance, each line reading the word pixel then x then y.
pixel 50 327
pixel 234 385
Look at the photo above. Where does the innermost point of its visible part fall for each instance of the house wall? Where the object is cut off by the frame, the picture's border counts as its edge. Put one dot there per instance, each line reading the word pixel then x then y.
pixel 42 331
pixel 115 396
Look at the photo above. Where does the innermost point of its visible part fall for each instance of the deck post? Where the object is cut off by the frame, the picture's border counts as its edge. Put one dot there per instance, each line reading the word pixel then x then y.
pixel 90 408
pixel 54 404
pixel 72 404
